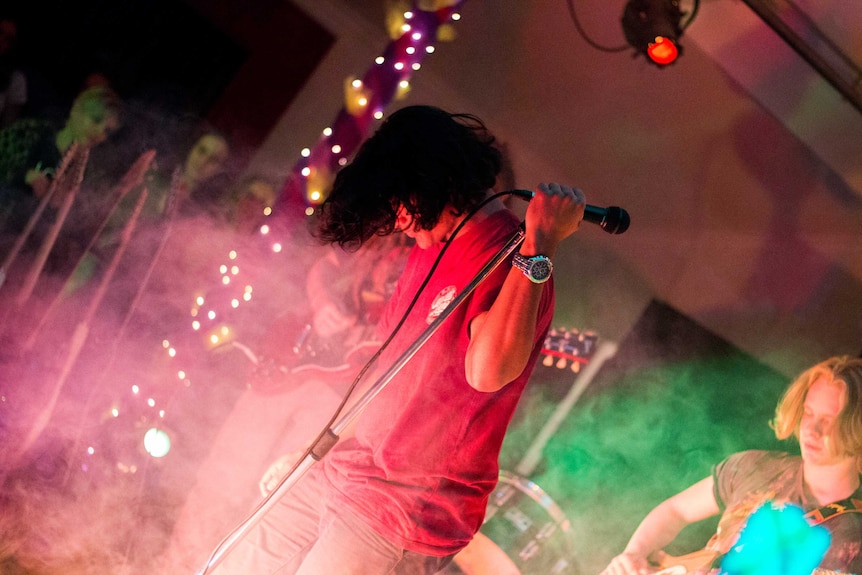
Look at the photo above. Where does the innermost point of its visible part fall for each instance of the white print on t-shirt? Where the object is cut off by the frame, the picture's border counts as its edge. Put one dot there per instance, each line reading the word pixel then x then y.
pixel 441 302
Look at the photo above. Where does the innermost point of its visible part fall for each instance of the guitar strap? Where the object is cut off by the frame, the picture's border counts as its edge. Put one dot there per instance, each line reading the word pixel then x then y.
pixel 821 514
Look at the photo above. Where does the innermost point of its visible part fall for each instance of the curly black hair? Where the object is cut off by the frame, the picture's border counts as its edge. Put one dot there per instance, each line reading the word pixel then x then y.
pixel 422 158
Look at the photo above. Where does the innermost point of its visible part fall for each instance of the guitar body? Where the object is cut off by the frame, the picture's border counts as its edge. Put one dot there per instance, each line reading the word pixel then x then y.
pixel 291 351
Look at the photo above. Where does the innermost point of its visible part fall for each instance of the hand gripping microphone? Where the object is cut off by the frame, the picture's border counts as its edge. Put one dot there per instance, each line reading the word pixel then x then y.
pixel 613 219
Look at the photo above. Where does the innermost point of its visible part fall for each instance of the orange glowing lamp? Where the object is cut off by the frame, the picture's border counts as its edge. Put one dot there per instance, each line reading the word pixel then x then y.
pixel 663 51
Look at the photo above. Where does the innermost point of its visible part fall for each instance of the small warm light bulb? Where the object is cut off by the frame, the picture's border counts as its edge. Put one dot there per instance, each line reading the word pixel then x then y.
pixel 336 149
pixel 222 269
pixel 416 65
pixel 277 248
pixel 327 132
pixel 379 60
pixel 214 339
pixel 115 412
pixel 408 15
pixel 405 27
pixel 305 152
pixel 211 314
pixel 172 352
pixel 356 83
pixel 196 325
pixel 234 303
pixel 399 66
pixel 378 114
pixel 225 280
pixel 429 49
pixel 417 36
pixel 234 270
pixel 267 211
pixel 135 389
pixel 264 229
pixel 456 16
pixel 410 50
pixel 151 402
pixel 200 300
pixel 309 211
pixel 232 255
pixel 181 374
pixel 306 171
pixel 314 196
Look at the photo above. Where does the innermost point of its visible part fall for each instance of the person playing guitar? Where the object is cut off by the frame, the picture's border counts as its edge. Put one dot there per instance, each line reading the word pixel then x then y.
pixel 822 409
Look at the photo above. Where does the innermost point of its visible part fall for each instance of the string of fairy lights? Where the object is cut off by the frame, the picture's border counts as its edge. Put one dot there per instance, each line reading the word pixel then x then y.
pixel 414 29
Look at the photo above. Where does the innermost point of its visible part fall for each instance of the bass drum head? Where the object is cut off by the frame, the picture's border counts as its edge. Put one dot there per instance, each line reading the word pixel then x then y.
pixel 524 533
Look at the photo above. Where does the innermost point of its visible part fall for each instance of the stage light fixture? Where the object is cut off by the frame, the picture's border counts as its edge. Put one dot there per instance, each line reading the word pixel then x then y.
pixel 652 28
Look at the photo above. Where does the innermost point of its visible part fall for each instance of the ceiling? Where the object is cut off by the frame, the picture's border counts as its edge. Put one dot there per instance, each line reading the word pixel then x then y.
pixel 740 167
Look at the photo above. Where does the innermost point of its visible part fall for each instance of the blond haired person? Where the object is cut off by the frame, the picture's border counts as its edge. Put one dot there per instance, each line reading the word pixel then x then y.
pixel 822 410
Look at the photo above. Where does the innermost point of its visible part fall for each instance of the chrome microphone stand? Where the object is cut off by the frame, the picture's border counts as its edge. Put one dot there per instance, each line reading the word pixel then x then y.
pixel 329 437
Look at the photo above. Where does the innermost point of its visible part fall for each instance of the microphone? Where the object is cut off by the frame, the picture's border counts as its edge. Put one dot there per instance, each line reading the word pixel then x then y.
pixel 613 219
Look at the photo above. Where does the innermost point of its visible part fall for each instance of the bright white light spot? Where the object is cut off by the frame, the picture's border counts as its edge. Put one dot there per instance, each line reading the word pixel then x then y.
pixel 166 344
pixel 379 60
pixel 234 303
pixel 327 132
pixel 429 49
pixel 225 330
pixel 234 270
pixel 264 229
pixel 181 374
pixel 417 36
pixel 225 280
pixel 405 27
pixel 309 211
pixel 314 196
pixel 408 15
pixel 306 171
pixel 232 255
pixel 200 300
pixel 151 402
pixel 336 149
pixel 399 66
pixel 404 83
pixel 246 296
pixel 115 412
pixel 211 314
pixel 156 442
pixel 410 50
pixel 456 16
pixel 356 83
pixel 136 389
pixel 277 248
pixel 305 152
pixel 378 114
pixel 267 211
pixel 213 339
pixel 196 325
pixel 416 65
pixel 222 269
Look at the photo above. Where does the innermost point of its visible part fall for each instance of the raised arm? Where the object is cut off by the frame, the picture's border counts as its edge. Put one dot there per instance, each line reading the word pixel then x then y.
pixel 502 338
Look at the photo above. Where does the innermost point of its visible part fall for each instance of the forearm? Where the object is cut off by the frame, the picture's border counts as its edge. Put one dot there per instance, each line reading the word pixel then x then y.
pixel 503 338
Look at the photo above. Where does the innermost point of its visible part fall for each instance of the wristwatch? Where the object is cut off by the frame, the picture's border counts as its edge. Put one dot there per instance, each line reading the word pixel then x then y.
pixel 537 268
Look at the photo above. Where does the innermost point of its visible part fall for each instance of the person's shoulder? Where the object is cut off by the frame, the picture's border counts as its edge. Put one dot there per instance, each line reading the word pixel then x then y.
pixel 759 457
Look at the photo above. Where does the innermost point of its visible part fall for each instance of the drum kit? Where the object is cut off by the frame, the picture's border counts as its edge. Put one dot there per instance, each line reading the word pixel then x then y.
pixel 524 533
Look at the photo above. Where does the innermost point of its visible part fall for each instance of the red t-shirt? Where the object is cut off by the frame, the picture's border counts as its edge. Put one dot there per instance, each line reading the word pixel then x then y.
pixel 424 456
